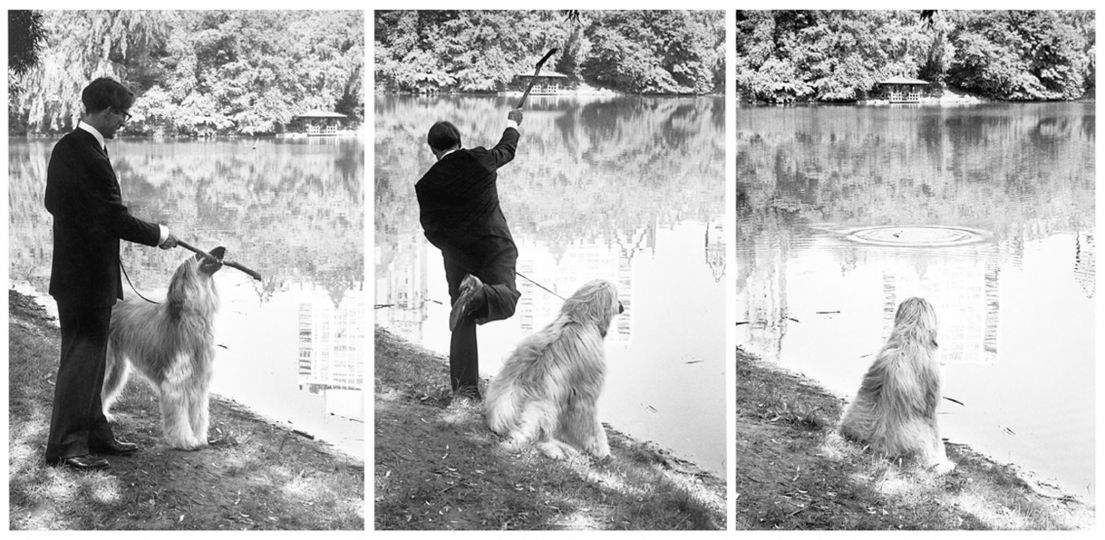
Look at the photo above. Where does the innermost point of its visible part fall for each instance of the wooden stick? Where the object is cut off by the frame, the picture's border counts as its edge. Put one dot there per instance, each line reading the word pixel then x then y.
pixel 540 63
pixel 251 273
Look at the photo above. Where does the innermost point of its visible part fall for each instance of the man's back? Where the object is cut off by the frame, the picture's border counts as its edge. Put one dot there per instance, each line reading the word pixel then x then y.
pixel 459 199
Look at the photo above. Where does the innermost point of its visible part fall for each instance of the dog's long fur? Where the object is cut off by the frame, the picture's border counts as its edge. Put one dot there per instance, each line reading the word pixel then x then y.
pixel 894 411
pixel 547 390
pixel 172 345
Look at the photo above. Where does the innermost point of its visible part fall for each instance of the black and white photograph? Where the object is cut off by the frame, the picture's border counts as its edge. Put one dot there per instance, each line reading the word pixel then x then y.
pixel 187 308
pixel 638 267
pixel 550 340
pixel 915 278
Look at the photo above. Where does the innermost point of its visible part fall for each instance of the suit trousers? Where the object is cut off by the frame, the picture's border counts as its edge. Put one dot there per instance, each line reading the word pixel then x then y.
pixel 78 420
pixel 500 298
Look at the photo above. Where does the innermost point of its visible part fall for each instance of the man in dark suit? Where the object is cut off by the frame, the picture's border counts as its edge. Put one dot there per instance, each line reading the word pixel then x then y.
pixel 83 195
pixel 461 216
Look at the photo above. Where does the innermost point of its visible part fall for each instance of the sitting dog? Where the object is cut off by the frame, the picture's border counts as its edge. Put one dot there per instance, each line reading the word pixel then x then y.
pixel 894 411
pixel 547 389
pixel 172 345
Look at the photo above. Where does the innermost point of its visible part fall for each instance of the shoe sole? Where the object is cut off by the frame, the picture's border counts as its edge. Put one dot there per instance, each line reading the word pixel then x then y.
pixel 468 290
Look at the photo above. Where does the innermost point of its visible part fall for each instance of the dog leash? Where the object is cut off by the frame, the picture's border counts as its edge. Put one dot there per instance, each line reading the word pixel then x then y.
pixel 546 289
pixel 132 287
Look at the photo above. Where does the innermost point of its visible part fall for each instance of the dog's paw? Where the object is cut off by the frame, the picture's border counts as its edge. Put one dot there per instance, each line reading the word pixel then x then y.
pixel 943 467
pixel 600 453
pixel 557 449
pixel 514 444
pixel 552 451
pixel 189 446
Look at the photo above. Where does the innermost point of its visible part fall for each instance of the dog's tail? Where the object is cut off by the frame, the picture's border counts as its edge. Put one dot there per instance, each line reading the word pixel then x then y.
pixel 501 406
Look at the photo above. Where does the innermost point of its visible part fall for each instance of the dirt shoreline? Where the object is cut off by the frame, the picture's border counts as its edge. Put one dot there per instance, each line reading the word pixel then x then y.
pixel 259 476
pixel 440 467
pixel 794 471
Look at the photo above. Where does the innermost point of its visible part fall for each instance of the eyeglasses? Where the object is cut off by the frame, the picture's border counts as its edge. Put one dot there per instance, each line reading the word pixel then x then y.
pixel 126 115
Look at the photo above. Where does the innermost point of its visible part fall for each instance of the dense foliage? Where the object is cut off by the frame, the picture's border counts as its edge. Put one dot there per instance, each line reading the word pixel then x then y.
pixel 644 52
pixel 26 36
pixel 195 71
pixel 785 56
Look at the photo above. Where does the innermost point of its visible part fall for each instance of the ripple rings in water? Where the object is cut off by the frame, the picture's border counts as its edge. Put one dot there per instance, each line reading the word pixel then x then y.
pixel 923 236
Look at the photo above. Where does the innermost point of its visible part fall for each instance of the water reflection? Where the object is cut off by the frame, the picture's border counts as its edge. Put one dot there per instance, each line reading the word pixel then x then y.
pixel 630 190
pixel 292 344
pixel 1016 311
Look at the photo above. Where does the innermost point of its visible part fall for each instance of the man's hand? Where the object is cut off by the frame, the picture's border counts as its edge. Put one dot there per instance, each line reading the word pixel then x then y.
pixel 515 115
pixel 169 243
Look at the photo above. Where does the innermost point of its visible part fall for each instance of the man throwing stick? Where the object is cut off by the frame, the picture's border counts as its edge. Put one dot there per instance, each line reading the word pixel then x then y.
pixel 461 216
pixel 83 195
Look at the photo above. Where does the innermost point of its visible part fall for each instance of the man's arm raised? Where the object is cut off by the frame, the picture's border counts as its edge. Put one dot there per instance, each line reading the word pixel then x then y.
pixel 503 152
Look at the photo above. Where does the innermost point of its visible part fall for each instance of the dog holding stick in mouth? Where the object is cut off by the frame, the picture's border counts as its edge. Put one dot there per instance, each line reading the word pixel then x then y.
pixel 172 344
pixel 548 388
pixel 894 411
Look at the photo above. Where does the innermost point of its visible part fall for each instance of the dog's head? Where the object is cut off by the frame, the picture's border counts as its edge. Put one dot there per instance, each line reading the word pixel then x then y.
pixel 209 267
pixel 192 284
pixel 916 317
pixel 595 302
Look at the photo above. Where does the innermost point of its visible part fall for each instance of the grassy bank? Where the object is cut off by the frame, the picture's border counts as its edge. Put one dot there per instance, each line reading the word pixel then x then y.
pixel 259 476
pixel 440 467
pixel 794 471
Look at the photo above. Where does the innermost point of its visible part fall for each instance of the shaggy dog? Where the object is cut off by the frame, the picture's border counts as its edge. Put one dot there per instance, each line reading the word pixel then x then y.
pixel 548 387
pixel 895 408
pixel 172 345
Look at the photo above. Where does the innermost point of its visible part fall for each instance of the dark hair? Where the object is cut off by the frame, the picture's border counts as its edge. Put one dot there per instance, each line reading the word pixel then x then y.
pixel 443 136
pixel 105 93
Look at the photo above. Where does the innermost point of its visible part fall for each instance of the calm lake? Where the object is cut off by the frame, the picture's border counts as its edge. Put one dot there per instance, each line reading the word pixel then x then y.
pixel 987 211
pixel 292 345
pixel 630 190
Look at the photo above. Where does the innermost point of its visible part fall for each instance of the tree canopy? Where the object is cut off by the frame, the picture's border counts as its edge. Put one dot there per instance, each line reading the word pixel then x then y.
pixel 641 52
pixel 785 56
pixel 222 71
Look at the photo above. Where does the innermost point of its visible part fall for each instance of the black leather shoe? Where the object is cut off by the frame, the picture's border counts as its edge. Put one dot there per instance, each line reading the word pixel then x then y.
pixel 470 288
pixel 114 447
pixel 86 462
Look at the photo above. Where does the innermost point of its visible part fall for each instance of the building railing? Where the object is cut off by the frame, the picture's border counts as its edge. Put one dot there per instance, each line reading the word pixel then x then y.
pixel 322 130
pixel 904 97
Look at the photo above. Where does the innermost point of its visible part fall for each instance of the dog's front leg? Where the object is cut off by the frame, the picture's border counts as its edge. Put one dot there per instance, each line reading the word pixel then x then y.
pixel 175 418
pixel 199 406
pixel 598 446
pixel 586 429
pixel 179 400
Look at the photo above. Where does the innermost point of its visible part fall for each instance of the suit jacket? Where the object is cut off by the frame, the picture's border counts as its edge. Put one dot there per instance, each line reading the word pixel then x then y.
pixel 83 195
pixel 459 203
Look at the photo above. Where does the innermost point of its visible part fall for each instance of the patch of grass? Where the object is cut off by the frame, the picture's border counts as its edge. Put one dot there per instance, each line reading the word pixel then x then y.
pixel 794 471
pixel 439 467
pixel 260 476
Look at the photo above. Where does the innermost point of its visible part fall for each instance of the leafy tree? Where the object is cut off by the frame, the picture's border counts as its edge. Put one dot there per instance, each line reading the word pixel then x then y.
pixel 669 52
pixel 787 56
pixel 26 36
pixel 483 51
pixel 823 55
pixel 198 71
pixel 1019 55
pixel 80 46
